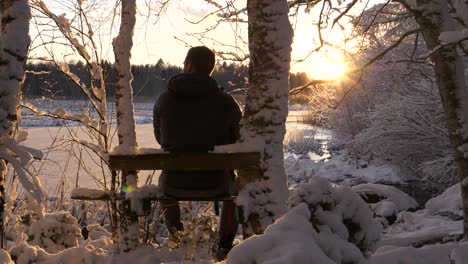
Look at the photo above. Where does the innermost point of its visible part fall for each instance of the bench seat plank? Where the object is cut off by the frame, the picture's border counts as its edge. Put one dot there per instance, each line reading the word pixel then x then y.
pixel 105 196
pixel 171 161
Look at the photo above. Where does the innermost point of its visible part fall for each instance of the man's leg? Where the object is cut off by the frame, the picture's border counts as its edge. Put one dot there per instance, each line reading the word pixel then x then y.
pixel 171 210
pixel 228 225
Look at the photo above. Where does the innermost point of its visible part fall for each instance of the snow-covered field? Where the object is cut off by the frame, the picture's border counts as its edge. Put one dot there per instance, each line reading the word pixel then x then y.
pixel 409 233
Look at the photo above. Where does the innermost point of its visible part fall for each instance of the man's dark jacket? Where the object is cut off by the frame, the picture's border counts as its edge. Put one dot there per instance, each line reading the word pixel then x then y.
pixel 193 116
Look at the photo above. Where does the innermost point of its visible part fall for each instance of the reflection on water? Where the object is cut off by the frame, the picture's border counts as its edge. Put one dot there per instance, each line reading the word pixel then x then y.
pixel 307 142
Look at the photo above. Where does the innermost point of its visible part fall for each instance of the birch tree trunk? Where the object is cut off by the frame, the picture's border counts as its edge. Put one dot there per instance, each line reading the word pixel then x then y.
pixel 434 18
pixel 14 43
pixel 266 109
pixel 126 129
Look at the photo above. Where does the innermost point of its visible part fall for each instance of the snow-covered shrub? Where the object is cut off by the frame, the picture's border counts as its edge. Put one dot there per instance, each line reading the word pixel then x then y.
pixel 386 201
pixel 290 239
pixel 54 232
pixel 197 239
pixel 343 221
pixel 97 231
pixel 394 112
pixel 409 130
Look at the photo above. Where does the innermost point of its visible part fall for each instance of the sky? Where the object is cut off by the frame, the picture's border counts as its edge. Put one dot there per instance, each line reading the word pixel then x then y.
pixel 168 35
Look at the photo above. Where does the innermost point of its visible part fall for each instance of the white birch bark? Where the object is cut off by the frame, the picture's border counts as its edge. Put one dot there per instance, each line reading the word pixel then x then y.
pixel 266 109
pixel 434 18
pixel 126 129
pixel 14 44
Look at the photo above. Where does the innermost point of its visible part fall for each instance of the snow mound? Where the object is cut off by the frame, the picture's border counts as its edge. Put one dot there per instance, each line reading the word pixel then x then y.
pixel 291 239
pixel 432 254
pixel 421 228
pixel 25 254
pixel 386 201
pixel 403 201
pixel 339 169
pixel 54 232
pixel 343 220
pixel 448 201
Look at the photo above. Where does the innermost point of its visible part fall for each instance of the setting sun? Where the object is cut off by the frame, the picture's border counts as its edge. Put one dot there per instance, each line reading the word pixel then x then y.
pixel 328 64
pixel 327 70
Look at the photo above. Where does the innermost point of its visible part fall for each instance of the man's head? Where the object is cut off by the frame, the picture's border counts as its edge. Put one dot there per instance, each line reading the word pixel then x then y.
pixel 199 60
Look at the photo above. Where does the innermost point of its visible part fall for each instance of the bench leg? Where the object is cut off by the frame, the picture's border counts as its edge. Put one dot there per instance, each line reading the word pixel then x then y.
pixel 171 212
pixel 228 225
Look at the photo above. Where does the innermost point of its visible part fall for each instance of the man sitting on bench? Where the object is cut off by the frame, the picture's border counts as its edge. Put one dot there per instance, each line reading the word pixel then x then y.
pixel 193 116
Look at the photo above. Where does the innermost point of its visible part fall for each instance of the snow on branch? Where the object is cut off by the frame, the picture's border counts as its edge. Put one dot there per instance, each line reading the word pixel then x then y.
pixel 66 28
pixel 60 113
pixel 29 181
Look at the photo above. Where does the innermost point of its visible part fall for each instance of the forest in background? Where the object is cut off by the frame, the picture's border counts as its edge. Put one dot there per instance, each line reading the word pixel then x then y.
pixel 45 80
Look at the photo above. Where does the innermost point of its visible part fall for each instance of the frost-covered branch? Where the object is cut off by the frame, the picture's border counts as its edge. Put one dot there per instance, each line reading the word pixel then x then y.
pixel 59 113
pixel 382 53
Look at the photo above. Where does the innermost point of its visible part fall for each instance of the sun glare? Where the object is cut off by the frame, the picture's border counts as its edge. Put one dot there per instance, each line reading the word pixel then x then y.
pixel 327 70
pixel 325 65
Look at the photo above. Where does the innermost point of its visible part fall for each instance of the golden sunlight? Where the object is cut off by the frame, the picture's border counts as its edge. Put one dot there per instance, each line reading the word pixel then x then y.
pixel 327 70
pixel 327 64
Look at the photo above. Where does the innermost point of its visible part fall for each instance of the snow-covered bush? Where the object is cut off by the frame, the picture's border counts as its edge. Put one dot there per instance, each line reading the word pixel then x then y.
pixel 386 201
pixel 96 232
pixel 394 111
pixel 410 130
pixel 344 223
pixel 54 232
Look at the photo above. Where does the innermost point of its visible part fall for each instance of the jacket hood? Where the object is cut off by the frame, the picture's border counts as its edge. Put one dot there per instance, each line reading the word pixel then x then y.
pixel 189 84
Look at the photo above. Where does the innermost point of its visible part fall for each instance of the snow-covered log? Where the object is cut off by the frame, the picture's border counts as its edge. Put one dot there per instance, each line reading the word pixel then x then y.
pixel 129 231
pixel 266 109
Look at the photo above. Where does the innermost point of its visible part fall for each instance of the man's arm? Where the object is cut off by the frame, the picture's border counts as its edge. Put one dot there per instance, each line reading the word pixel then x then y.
pixel 157 122
pixel 235 118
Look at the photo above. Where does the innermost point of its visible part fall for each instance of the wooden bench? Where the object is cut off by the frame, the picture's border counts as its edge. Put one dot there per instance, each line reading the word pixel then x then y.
pixel 247 164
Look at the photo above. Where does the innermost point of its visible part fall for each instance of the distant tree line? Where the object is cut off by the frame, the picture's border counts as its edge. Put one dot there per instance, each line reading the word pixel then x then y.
pixel 45 80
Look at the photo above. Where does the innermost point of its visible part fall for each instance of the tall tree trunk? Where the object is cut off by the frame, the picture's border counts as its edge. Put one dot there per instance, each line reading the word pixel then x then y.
pixel 266 109
pixel 126 128
pixel 14 43
pixel 434 18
